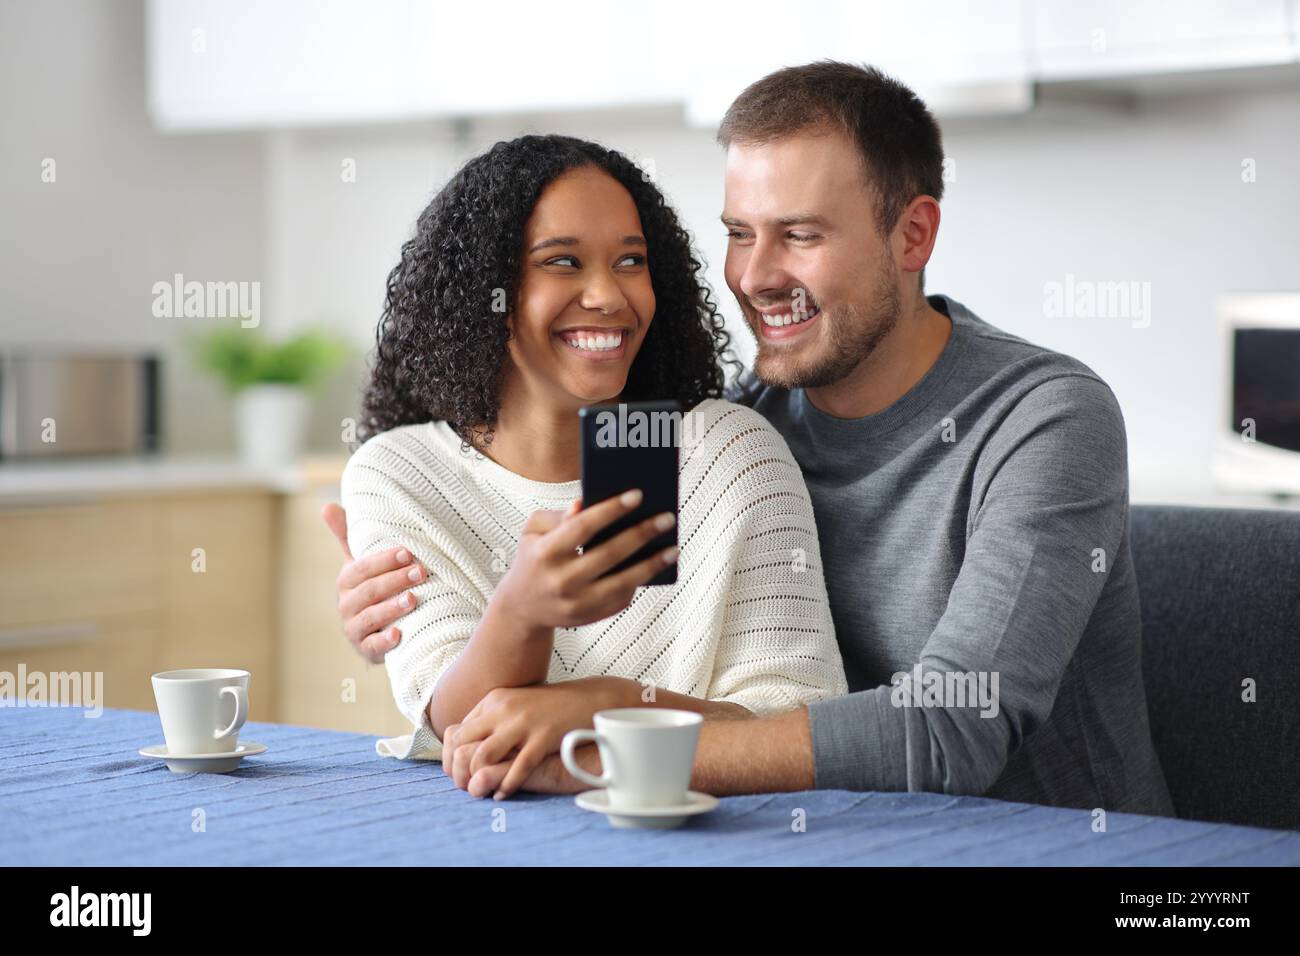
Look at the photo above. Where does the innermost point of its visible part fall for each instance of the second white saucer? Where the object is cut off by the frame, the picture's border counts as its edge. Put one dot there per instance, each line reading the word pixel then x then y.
pixel 204 763
pixel 654 818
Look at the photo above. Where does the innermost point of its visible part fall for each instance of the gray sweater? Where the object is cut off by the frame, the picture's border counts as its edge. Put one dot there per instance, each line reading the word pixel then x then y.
pixel 974 539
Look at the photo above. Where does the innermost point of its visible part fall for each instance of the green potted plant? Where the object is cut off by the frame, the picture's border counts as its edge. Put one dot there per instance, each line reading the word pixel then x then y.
pixel 271 383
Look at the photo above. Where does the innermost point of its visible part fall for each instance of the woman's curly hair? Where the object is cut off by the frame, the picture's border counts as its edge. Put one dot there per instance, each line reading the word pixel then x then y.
pixel 441 341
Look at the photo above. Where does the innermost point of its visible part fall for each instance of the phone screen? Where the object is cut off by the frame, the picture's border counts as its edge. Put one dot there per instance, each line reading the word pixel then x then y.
pixel 633 445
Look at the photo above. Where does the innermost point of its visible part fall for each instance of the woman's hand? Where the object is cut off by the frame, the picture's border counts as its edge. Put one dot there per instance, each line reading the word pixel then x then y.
pixel 372 591
pixel 526 724
pixel 550 584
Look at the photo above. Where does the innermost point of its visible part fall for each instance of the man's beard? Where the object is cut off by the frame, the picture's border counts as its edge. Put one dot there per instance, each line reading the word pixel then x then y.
pixel 854 333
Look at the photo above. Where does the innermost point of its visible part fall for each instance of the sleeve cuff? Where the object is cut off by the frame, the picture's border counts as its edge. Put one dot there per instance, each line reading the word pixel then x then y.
pixel 859 743
pixel 420 744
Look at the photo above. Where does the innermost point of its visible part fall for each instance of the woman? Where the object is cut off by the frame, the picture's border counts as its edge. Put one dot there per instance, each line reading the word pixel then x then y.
pixel 548 275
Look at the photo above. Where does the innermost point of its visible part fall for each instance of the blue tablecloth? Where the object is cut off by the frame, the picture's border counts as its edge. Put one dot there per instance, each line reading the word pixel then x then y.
pixel 74 791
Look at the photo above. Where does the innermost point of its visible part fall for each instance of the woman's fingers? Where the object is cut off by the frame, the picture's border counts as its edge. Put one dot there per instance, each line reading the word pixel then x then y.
pixel 617 588
pixel 492 750
pixel 517 773
pixel 449 747
pixel 623 545
pixel 577 530
pixel 543 521
pixel 464 756
pixel 488 779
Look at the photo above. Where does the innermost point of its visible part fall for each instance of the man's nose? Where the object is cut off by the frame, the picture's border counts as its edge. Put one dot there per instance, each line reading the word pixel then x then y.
pixel 764 272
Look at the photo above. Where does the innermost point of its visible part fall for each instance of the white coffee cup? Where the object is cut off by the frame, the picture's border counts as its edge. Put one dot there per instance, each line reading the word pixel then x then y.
pixel 202 708
pixel 646 754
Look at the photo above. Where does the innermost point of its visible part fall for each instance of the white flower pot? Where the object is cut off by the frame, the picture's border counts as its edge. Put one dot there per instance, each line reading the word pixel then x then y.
pixel 271 424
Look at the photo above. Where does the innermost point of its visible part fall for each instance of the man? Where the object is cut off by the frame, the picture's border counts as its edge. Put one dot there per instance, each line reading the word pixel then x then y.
pixel 970 488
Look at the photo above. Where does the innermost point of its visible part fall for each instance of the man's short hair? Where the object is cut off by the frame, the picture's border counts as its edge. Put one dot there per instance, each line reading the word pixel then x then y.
pixel 896 135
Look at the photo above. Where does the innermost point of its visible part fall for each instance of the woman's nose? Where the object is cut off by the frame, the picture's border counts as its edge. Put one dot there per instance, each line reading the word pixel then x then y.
pixel 603 295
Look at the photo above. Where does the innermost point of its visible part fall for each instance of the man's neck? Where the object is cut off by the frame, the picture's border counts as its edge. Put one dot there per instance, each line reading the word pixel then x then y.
pixel 892 370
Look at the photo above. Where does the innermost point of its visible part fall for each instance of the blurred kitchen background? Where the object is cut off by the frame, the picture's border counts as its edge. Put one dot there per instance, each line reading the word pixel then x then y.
pixel 282 151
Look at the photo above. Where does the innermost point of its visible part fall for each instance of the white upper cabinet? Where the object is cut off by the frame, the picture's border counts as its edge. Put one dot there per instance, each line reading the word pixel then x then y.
pixel 227 64
pixel 1109 38
pixel 952 54
pixel 221 64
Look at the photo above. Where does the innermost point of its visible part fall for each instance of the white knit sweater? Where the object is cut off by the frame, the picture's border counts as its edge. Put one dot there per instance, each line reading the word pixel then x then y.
pixel 747 620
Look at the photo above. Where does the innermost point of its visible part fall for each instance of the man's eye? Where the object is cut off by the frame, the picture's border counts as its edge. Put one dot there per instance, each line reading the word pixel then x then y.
pixel 736 234
pixel 802 236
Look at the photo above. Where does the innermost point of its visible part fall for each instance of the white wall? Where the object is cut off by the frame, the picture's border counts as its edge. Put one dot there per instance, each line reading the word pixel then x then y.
pixel 332 243
pixel 1155 195
pixel 128 207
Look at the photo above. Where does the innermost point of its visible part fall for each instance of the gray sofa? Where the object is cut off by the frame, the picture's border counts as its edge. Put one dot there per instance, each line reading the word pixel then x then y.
pixel 1220 593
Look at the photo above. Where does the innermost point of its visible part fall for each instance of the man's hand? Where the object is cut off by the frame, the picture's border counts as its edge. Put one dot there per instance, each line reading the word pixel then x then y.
pixel 549 776
pixel 760 755
pixel 372 591
pixel 521 726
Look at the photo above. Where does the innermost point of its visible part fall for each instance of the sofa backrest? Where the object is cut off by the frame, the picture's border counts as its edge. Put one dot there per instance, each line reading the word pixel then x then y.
pixel 1220 594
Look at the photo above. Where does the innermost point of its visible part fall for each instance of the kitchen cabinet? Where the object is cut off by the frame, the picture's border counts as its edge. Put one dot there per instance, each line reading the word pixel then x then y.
pixel 1073 40
pixel 231 64
pixel 128 586
pixel 321 680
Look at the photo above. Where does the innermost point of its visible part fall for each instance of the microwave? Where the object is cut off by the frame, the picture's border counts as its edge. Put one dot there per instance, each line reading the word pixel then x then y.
pixel 56 405
pixel 1258 445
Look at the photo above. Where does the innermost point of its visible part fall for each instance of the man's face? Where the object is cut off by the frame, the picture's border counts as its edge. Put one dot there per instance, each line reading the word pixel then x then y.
pixel 816 282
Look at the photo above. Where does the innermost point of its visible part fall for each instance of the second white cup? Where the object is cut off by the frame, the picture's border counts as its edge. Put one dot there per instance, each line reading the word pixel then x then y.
pixel 646 754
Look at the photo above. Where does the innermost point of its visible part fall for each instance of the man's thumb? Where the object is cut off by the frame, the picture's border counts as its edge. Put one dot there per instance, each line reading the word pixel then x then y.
pixel 336 520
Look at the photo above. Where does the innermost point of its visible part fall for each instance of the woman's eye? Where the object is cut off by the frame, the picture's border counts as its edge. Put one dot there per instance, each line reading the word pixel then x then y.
pixel 632 260
pixel 562 261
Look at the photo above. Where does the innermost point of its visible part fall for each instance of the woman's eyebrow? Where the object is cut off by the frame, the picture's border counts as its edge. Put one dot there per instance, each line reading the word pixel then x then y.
pixel 635 240
pixel 554 241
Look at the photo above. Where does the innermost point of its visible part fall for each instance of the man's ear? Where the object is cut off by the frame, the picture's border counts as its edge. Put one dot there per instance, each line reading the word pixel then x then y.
pixel 918 228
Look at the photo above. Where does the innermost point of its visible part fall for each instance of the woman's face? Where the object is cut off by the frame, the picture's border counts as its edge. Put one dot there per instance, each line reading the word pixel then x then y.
pixel 585 301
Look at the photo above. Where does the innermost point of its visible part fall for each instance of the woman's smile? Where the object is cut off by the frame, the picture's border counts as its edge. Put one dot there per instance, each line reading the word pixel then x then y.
pixel 591 343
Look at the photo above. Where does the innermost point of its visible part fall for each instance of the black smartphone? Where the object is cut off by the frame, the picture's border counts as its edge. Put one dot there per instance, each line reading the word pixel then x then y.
pixel 633 445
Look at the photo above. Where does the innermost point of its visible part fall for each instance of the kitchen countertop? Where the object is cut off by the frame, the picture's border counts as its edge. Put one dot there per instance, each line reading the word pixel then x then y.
pixel 84 480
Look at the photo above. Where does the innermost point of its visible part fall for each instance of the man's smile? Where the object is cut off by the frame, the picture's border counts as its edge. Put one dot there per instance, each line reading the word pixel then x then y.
pixel 781 324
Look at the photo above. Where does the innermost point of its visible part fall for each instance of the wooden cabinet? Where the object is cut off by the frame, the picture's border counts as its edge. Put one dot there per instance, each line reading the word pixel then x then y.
pixel 126 587
pixel 322 681
pixel 135 583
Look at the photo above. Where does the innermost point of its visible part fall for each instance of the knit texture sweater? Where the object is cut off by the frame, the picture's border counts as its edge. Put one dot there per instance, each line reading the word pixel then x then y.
pixel 747 621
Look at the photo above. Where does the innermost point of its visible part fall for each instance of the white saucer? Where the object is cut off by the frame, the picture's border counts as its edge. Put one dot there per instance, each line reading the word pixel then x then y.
pixel 204 763
pixel 654 818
